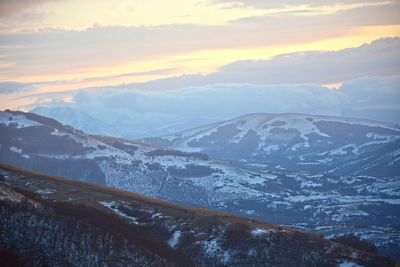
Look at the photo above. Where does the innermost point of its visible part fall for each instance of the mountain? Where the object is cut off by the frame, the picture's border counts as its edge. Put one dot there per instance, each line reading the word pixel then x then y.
pixel 60 222
pixel 321 203
pixel 125 125
pixel 299 142
pixel 78 119
pixel 59 231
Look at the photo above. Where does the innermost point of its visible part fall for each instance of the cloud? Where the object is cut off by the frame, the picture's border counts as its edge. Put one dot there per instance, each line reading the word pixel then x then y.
pixel 143 113
pixel 60 51
pixel 54 51
pixel 142 73
pixel 380 58
pixel 11 7
pixel 367 15
pixel 371 93
pixel 12 87
pixel 262 4
pixel 15 87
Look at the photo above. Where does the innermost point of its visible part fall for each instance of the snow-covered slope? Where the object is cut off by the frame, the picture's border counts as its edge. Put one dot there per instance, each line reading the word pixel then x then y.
pixel 296 198
pixel 297 142
pixel 78 119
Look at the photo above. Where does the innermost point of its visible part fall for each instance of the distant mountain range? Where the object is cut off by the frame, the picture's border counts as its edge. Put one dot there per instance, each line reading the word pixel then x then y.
pixel 127 126
pixel 321 203
pixel 53 221
pixel 298 142
pixel 78 120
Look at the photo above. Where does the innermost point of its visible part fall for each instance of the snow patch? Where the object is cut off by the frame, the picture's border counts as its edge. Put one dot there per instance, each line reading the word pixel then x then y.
pixel 112 206
pixel 349 264
pixel 158 216
pixel 175 238
pixel 45 191
pixel 344 150
pixel 310 184
pixel 16 149
pixel 259 232
pixel 7 194
pixel 19 120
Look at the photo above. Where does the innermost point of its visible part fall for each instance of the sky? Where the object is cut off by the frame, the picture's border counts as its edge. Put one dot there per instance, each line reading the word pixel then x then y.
pixel 53 50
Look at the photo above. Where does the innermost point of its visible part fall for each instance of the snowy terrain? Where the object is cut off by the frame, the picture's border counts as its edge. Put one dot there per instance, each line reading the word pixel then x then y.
pixel 277 196
pixel 296 142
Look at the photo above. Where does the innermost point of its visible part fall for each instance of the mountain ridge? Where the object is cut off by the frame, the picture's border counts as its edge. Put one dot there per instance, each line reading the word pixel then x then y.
pixel 297 142
pixel 319 203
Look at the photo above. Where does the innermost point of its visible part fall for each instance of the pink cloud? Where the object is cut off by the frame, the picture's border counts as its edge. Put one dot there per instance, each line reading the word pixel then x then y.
pixel 8 7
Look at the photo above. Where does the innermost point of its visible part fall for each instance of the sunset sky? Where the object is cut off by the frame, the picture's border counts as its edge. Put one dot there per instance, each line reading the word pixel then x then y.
pixel 53 46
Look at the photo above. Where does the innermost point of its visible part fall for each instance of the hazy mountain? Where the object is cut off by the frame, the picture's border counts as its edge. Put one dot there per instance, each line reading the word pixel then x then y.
pixel 120 125
pixel 78 119
pixel 320 203
pixel 56 221
pixel 297 142
pixel 386 115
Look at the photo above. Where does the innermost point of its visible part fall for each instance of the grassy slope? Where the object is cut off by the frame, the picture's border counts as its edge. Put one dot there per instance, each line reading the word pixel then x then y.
pixel 79 192
pixel 90 194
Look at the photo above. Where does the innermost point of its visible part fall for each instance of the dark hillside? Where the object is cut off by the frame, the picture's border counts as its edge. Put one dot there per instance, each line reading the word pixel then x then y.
pixel 82 224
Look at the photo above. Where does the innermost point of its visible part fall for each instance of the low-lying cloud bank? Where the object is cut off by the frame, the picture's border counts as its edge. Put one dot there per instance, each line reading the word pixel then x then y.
pixel 138 114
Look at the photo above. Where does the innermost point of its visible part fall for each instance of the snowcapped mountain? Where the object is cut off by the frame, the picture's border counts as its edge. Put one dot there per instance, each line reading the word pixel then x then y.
pixel 78 119
pixel 296 142
pixel 82 224
pixel 299 199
